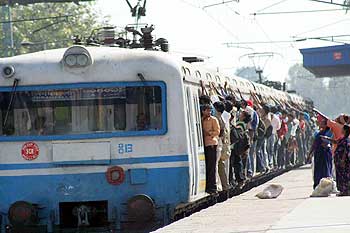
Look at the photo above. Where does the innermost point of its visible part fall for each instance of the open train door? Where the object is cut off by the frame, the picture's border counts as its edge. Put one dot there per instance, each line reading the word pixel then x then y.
pixel 195 144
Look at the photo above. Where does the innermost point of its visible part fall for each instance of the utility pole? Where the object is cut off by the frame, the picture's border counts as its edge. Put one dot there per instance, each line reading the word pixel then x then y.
pixel 259 72
pixel 7 42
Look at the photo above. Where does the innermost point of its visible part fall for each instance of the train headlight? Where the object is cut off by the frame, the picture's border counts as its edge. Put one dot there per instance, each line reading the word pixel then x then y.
pixel 23 213
pixel 71 60
pixel 141 209
pixel 8 71
pixel 77 57
pixel 82 60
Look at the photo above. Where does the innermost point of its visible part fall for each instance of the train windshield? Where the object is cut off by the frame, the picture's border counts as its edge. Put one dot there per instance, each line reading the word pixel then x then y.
pixel 81 110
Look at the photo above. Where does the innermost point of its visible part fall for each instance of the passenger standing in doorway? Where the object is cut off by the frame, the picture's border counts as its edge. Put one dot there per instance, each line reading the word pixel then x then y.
pixel 211 132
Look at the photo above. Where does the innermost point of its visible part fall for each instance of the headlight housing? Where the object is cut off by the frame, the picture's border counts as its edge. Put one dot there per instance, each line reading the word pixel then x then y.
pixel 77 57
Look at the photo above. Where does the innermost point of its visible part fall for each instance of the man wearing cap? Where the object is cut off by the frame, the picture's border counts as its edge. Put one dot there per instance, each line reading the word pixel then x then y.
pixel 252 127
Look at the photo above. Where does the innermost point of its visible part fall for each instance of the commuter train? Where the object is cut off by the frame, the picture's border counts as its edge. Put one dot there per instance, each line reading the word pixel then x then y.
pixel 103 139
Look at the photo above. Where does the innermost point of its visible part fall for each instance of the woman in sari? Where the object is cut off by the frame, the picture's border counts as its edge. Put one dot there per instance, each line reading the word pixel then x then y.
pixel 321 149
pixel 342 162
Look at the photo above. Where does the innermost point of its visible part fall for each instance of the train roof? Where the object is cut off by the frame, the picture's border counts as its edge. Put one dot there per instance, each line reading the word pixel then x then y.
pixel 49 67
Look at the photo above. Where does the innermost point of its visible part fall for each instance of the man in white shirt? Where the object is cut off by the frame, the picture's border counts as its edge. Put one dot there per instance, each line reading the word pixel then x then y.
pixel 271 143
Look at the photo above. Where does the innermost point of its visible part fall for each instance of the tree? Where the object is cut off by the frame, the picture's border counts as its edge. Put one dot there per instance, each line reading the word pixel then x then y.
pixel 328 95
pixel 52 32
pixel 249 72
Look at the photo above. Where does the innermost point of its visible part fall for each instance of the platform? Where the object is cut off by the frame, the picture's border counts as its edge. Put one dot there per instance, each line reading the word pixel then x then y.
pixel 293 211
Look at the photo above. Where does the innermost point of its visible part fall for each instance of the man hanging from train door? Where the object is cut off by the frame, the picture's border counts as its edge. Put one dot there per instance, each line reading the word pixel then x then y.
pixel 211 132
pixel 223 150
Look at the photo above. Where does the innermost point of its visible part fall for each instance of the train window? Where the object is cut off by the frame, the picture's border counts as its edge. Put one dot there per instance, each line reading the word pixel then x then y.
pixel 198 74
pixel 83 110
pixel 183 71
pixel 208 76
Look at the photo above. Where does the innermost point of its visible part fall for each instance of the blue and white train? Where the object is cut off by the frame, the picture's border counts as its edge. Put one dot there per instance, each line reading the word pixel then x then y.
pixel 102 138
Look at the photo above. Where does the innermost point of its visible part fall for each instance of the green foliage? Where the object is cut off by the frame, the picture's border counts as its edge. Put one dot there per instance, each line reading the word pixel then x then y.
pixel 54 32
pixel 329 94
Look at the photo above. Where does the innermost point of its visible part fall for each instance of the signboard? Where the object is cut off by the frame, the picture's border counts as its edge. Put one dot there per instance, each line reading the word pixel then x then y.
pixel 25 2
pixel 330 61
pixel 78 94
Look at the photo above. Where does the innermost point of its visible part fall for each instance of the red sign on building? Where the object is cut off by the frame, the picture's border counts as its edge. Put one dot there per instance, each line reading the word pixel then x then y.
pixel 30 151
pixel 337 55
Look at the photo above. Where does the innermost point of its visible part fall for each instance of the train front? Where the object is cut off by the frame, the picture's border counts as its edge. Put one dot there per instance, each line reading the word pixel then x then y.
pixel 88 141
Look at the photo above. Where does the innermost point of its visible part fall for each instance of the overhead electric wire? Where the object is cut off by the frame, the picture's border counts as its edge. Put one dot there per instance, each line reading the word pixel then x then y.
pixel 234 11
pixel 222 25
pixel 331 39
pixel 295 12
pixel 322 27
pixel 274 4
pixel 48 25
pixel 219 3
pixel 266 35
pixel 258 42
pixel 213 19
pixel 331 2
pixel 36 19
pixel 190 4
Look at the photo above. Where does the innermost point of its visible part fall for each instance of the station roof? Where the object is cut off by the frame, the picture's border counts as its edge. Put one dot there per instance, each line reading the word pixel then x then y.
pixel 25 2
pixel 330 61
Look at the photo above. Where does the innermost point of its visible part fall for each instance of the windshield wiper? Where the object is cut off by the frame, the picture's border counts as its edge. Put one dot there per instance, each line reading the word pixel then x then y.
pixel 9 107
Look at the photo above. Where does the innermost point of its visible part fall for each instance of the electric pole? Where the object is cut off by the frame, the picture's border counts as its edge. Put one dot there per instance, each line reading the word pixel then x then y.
pixel 259 72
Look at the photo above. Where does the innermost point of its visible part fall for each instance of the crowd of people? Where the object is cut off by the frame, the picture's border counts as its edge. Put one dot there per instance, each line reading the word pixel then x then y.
pixel 331 152
pixel 248 137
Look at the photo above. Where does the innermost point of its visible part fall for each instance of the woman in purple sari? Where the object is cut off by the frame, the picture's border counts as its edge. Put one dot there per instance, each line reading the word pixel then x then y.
pixel 321 149
pixel 342 163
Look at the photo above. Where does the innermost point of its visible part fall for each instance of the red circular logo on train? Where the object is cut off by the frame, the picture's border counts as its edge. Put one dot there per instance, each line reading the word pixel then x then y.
pixel 30 151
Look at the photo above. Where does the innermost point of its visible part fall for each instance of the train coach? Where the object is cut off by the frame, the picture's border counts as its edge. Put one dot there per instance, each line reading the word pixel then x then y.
pixel 102 139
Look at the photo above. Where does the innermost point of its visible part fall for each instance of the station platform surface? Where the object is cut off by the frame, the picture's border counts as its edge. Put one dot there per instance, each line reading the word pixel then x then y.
pixel 293 211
